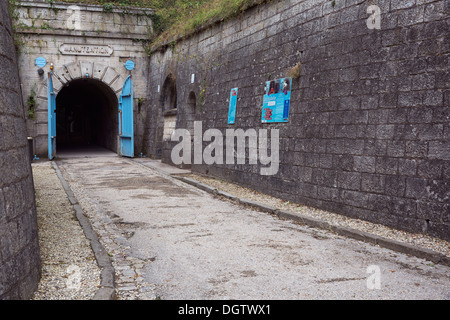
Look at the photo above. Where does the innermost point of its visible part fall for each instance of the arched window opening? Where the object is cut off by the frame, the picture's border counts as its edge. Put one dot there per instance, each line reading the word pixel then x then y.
pixel 191 111
pixel 169 106
pixel 169 95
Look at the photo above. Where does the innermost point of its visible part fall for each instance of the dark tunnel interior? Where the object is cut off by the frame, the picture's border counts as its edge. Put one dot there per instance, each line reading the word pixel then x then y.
pixel 86 115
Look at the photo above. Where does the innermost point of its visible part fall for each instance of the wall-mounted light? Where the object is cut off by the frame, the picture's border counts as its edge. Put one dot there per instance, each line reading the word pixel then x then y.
pixel 52 67
pixel 40 72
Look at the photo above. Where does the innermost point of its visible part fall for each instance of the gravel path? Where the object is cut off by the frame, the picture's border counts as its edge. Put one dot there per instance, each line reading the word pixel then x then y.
pixel 69 268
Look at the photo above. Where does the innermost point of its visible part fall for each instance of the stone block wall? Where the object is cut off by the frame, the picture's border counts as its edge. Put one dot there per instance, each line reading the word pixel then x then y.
pixel 45 29
pixel 368 133
pixel 20 265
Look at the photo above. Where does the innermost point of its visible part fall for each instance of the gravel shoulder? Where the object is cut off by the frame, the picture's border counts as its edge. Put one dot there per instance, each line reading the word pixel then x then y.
pixel 69 268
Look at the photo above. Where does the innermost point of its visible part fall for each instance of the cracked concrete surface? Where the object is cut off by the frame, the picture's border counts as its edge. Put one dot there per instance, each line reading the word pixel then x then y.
pixel 170 240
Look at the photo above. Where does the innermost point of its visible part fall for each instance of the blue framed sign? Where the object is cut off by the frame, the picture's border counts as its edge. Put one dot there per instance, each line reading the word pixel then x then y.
pixel 277 99
pixel 232 108
pixel 40 62
pixel 129 65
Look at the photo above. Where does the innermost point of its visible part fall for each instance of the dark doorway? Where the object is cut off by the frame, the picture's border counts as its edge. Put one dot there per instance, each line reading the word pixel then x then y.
pixel 86 115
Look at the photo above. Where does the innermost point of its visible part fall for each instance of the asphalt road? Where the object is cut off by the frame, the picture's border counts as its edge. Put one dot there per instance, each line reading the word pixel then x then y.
pixel 171 240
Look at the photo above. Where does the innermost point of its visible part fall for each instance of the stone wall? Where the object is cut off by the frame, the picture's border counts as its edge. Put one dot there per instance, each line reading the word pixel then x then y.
pixel 368 133
pixel 19 247
pixel 68 36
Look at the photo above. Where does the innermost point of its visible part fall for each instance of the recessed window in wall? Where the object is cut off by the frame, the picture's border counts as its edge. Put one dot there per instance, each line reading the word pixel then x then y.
pixel 191 111
pixel 169 95
pixel 168 102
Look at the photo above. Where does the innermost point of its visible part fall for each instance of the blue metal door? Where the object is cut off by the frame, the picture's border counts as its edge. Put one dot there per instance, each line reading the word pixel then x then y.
pixel 51 118
pixel 126 130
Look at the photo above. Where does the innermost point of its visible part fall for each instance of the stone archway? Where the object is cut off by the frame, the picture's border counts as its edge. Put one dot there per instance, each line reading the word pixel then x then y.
pixel 87 70
pixel 79 47
pixel 87 95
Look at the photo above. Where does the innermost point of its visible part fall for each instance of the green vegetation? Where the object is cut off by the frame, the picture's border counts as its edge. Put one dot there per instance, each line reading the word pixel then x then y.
pixel 31 102
pixel 178 18
pixel 12 8
pixel 190 19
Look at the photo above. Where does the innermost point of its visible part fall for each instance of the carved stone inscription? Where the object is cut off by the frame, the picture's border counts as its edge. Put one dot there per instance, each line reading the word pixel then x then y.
pixel 86 50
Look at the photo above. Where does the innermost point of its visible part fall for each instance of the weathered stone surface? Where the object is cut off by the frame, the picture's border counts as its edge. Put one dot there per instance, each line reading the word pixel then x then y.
pixel 20 265
pixel 80 41
pixel 368 128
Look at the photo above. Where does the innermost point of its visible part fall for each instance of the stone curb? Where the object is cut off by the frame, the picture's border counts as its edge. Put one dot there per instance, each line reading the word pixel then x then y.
pixel 394 245
pixel 199 185
pixel 107 288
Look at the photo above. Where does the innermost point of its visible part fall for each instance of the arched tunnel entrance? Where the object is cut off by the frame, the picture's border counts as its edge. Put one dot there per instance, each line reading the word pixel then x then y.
pixel 86 116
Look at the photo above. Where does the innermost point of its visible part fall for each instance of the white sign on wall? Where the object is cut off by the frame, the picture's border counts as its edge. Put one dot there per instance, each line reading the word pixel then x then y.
pixel 86 49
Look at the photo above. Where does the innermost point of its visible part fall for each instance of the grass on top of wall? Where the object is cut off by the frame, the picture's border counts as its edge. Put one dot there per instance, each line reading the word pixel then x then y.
pixel 211 11
pixel 178 18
